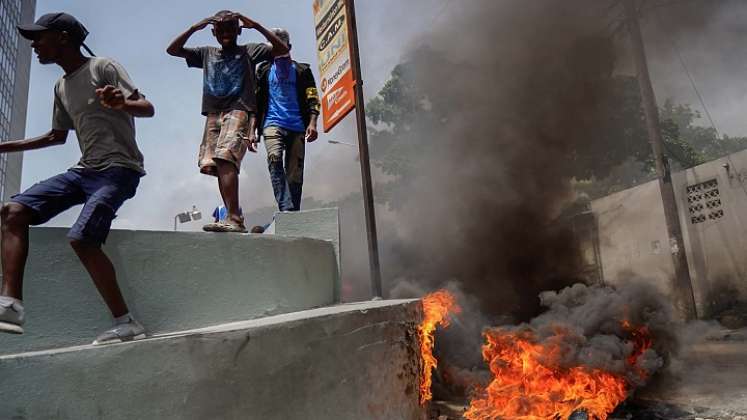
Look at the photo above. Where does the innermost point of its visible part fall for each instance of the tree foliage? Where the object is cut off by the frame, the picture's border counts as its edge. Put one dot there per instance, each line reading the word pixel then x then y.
pixel 705 142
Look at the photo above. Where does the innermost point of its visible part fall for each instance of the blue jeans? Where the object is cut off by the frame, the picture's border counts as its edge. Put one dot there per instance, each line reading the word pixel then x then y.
pixel 102 193
pixel 285 159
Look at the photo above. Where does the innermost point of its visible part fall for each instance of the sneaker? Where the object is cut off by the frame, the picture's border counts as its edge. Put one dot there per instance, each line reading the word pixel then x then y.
pixel 120 333
pixel 11 317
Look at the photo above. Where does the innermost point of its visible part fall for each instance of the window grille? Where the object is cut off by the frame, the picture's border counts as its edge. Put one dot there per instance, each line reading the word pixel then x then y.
pixel 704 202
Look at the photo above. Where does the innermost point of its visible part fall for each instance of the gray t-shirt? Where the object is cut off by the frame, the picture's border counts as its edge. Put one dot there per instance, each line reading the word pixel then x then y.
pixel 106 136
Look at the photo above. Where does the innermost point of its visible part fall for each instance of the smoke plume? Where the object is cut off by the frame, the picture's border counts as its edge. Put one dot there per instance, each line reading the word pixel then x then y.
pixel 593 333
pixel 518 88
pixel 516 100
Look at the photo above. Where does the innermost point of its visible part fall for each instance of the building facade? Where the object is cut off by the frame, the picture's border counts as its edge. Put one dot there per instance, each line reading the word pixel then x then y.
pixel 15 63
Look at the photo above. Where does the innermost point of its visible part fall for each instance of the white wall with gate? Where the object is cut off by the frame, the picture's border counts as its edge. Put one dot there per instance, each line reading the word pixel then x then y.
pixel 712 204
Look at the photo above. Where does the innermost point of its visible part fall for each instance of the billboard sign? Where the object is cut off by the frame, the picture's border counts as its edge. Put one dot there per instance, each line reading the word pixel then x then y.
pixel 335 65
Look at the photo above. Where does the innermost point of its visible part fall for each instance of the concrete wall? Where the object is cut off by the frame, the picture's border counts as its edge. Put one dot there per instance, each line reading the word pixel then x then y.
pixel 717 248
pixel 318 224
pixel 634 242
pixel 349 362
pixel 172 281
pixel 633 239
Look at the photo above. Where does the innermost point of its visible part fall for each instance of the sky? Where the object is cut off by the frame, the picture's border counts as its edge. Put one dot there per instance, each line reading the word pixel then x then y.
pixel 709 35
pixel 136 33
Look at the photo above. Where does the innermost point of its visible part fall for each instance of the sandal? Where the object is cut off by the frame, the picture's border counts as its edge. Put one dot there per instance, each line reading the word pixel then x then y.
pixel 231 228
pixel 211 227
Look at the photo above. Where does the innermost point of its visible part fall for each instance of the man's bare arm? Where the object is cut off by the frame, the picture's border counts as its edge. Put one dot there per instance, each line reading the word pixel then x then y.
pixel 139 107
pixel 51 138
pixel 176 48
pixel 251 139
pixel 278 46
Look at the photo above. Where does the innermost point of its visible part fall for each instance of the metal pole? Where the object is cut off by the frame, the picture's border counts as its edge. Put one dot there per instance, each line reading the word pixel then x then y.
pixel 175 222
pixel 360 115
pixel 685 298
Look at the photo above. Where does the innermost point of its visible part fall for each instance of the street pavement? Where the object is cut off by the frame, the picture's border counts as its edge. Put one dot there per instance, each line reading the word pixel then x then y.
pixel 706 381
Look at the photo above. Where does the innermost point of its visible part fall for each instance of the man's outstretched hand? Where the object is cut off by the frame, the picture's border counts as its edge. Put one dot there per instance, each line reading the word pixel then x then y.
pixel 111 97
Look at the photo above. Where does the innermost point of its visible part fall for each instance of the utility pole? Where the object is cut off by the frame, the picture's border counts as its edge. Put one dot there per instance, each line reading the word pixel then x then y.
pixel 685 298
pixel 360 115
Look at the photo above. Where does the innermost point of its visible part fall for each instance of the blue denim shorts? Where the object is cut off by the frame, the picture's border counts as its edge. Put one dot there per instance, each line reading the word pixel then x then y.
pixel 102 193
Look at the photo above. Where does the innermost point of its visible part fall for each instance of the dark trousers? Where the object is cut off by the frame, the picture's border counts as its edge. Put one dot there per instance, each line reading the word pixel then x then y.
pixel 285 159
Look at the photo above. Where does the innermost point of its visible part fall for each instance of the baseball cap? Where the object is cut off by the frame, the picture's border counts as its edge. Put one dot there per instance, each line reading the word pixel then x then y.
pixel 62 22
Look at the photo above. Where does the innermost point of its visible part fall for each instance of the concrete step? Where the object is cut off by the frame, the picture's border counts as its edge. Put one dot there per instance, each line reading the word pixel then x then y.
pixel 173 281
pixel 355 361
pixel 316 223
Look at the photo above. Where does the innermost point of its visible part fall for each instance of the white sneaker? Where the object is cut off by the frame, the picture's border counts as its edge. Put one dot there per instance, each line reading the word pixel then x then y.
pixel 11 317
pixel 120 333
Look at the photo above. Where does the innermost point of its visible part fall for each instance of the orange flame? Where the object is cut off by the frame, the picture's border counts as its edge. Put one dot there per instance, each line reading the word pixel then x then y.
pixel 641 343
pixel 436 307
pixel 530 384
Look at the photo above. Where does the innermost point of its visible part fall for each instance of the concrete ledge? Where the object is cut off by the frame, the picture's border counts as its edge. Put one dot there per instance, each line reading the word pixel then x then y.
pixel 355 361
pixel 172 281
pixel 317 223
pixel 321 224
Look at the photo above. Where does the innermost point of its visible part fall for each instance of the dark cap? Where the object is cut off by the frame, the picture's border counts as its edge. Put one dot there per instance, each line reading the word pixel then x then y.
pixel 58 22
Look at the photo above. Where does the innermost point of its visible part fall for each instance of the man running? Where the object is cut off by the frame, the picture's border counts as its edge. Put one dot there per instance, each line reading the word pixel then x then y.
pixel 96 98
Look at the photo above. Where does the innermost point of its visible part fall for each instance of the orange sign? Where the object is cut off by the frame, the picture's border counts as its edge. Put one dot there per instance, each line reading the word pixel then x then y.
pixel 335 66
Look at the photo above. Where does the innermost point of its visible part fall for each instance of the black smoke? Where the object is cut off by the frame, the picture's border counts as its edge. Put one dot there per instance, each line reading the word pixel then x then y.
pixel 593 334
pixel 514 100
pixel 520 94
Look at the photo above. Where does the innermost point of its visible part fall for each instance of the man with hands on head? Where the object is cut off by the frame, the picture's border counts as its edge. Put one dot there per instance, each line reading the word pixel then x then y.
pixel 229 102
pixel 96 98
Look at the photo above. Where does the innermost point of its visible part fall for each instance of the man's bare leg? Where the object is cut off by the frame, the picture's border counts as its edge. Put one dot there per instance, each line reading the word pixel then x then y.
pixel 16 219
pixel 101 270
pixel 100 267
pixel 228 182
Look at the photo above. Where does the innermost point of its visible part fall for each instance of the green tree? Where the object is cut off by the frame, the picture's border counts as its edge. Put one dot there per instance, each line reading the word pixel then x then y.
pixel 705 141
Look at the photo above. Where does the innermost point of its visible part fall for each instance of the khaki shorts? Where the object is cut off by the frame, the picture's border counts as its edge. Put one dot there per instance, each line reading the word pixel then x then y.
pixel 225 139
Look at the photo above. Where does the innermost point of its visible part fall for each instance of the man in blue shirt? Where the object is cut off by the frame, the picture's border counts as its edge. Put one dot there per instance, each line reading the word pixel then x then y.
pixel 288 106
